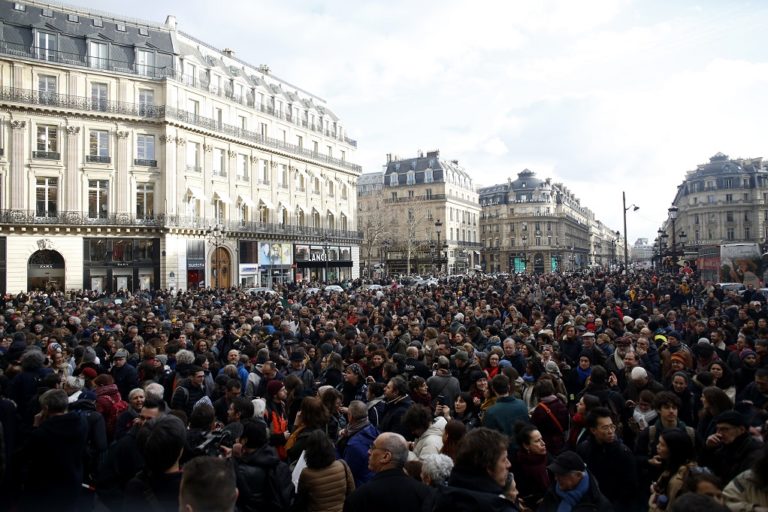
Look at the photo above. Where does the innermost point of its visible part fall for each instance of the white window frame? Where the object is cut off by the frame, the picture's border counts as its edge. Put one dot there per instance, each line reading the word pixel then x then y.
pixel 46 45
pixel 47 185
pixel 99 187
pixel 98 143
pixel 98 55
pixel 219 162
pixel 99 96
pixel 145 194
pixel 145 146
pixel 145 62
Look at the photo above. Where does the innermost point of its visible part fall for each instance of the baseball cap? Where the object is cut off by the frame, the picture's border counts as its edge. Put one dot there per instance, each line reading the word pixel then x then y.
pixel 567 462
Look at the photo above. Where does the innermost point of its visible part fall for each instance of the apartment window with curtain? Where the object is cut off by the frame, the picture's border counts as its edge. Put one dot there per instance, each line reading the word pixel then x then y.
pixel 46 45
pixel 145 150
pixel 145 200
pixel 46 89
pixel 47 142
pixel 193 157
pixel 264 178
pixel 145 63
pixel 146 100
pixel 219 162
pixel 98 55
pixel 283 176
pixel 99 97
pixel 242 167
pixel 98 143
pixel 46 197
pixel 98 199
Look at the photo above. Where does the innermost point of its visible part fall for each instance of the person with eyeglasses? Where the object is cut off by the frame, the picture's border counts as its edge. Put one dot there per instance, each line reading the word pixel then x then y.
pixel 611 462
pixel 731 449
pixel 390 489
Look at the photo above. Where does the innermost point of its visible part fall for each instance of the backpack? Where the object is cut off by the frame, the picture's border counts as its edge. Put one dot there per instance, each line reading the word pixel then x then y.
pixel 110 418
pixel 281 490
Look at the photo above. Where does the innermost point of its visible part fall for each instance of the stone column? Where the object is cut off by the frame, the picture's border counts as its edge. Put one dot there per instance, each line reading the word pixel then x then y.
pixel 169 171
pixel 122 186
pixel 71 196
pixel 17 174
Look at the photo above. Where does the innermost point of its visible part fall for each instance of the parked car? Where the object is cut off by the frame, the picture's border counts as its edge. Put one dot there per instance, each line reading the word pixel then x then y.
pixel 733 287
pixel 331 288
pixel 261 289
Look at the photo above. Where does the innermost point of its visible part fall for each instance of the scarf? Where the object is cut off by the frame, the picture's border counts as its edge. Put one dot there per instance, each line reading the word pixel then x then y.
pixel 644 419
pixel 618 360
pixel 354 428
pixel 583 374
pixel 570 499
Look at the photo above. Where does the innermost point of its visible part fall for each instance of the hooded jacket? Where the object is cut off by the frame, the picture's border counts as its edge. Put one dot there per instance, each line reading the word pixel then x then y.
pixel 431 441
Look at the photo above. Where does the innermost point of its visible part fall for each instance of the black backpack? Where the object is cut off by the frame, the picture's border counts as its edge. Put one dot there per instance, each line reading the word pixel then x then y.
pixel 281 489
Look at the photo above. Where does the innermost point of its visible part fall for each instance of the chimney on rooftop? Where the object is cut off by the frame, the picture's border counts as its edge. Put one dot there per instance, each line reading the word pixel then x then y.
pixel 170 22
pixel 229 52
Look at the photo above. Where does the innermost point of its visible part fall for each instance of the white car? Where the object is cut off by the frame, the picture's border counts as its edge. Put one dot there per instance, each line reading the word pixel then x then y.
pixel 261 289
pixel 311 291
pixel 331 288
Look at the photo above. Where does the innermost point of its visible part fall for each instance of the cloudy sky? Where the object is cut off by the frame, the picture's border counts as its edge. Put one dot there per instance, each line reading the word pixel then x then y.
pixel 603 95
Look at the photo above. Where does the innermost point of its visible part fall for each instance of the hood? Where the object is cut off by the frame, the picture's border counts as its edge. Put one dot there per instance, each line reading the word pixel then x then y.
pixel 110 390
pixel 83 404
pixel 265 457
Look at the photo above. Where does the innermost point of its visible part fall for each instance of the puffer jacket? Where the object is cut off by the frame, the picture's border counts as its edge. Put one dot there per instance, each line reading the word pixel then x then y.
pixel 324 490
pixel 745 493
pixel 431 441
pixel 251 473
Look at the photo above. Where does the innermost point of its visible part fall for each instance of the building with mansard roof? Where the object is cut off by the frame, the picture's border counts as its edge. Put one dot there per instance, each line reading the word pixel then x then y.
pixel 419 215
pixel 533 225
pixel 135 156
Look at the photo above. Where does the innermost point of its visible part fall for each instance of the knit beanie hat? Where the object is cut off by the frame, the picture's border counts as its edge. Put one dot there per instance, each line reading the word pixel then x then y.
pixel 274 386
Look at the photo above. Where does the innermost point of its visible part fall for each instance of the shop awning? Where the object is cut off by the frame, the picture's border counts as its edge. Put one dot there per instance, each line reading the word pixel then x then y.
pixel 285 205
pixel 332 212
pixel 224 198
pixel 197 193
pixel 266 203
pixel 247 201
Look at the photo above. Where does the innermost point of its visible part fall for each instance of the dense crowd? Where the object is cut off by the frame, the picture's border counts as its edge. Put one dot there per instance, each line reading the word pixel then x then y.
pixel 556 392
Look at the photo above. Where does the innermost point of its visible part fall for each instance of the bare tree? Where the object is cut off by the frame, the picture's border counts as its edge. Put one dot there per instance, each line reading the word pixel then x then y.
pixel 375 230
pixel 411 243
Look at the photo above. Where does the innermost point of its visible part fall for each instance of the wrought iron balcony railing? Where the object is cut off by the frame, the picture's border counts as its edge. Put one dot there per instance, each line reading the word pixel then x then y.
pixel 96 159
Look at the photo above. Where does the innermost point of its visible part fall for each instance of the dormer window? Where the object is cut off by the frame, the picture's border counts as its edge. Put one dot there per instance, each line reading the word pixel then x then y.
pixel 120 27
pixel 393 180
pixel 73 18
pixel 411 178
pixel 429 176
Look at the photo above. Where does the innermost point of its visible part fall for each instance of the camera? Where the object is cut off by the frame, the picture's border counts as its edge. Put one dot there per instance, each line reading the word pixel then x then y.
pixel 441 400
pixel 213 441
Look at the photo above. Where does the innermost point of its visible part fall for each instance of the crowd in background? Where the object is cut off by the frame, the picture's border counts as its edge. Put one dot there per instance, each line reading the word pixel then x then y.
pixel 555 392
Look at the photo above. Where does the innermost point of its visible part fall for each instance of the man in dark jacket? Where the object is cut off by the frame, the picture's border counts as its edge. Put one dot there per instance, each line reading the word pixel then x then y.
pixel 52 457
pixel 731 449
pixel 507 410
pixel 126 377
pixel 387 457
pixel 575 485
pixel 396 402
pixel 611 462
pixel 252 466
pixel 356 440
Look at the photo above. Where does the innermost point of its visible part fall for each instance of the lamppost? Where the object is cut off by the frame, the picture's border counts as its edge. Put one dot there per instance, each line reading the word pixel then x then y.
pixel 385 244
pixel 664 236
pixel 525 253
pixel 326 239
pixel 433 255
pixel 438 226
pixel 673 215
pixel 626 249
pixel 216 235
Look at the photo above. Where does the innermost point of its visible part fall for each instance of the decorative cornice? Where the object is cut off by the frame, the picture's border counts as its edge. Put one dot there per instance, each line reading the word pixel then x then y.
pixel 231 154
pixel 254 159
pixel 123 134
pixel 73 130
pixel 180 141
pixel 165 138
pixel 18 125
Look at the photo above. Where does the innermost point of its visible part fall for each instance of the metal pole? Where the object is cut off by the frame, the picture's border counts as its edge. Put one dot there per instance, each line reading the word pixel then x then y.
pixel 626 250
pixel 325 239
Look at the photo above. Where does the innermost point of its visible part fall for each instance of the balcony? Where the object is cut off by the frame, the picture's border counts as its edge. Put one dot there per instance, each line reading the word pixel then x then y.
pixel 96 159
pixel 17 50
pixel 46 155
pixel 144 162
pixel 81 103
pixel 194 168
pixel 218 173
pixel 243 177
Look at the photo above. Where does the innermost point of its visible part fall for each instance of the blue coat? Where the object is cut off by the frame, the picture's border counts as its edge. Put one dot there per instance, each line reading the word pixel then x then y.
pixel 503 415
pixel 355 454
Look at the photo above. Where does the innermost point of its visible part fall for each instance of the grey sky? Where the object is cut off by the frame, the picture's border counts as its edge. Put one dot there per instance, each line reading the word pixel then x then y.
pixel 604 95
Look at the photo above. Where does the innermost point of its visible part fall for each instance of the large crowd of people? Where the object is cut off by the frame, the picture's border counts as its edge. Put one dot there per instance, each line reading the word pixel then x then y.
pixel 620 391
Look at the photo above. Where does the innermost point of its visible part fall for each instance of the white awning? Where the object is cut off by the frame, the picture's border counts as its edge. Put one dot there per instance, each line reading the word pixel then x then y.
pixel 285 205
pixel 247 201
pixel 332 212
pixel 224 198
pixel 266 203
pixel 197 193
pixel 299 207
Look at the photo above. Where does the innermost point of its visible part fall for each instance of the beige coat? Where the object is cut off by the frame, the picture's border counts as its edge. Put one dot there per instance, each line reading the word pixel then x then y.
pixel 324 490
pixel 745 493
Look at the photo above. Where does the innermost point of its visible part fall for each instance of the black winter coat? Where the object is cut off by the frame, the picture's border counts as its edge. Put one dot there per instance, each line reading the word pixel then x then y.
pixel 252 484
pixel 468 492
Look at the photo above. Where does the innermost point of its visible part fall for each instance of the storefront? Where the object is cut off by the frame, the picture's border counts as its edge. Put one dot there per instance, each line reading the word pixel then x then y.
pixel 195 264
pixel 321 263
pixel 249 264
pixel 112 264
pixel 275 263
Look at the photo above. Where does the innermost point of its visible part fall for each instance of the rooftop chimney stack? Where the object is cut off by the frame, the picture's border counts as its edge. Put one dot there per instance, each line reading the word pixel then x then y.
pixel 170 22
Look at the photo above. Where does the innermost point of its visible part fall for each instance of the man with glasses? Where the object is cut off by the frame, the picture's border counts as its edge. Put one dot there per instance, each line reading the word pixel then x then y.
pixel 731 449
pixel 391 489
pixel 612 463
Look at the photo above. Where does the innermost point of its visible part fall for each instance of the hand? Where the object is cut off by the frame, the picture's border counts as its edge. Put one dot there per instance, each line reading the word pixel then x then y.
pixel 655 461
pixel 713 440
pixel 287 434
pixel 630 404
pixel 476 401
pixel 613 381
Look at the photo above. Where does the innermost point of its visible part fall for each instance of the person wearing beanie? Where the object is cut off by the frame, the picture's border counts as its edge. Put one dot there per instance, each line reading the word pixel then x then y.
pixel 731 449
pixel 276 417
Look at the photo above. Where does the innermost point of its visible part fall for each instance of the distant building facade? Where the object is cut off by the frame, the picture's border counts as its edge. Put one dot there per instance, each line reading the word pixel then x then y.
pixel 534 225
pixel 402 208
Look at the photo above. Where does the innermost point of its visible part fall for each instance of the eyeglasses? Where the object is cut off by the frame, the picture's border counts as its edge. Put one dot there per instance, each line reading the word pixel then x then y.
pixel 607 428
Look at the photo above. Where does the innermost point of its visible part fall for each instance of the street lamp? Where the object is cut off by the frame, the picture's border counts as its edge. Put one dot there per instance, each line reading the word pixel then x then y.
pixel 438 226
pixel 432 253
pixel 326 239
pixel 385 244
pixel 626 249
pixel 525 255
pixel 215 235
pixel 673 215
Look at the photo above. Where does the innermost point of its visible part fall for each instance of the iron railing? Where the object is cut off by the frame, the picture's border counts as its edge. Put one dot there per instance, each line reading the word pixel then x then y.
pixel 144 162
pixel 78 218
pixel 46 155
pixel 96 159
